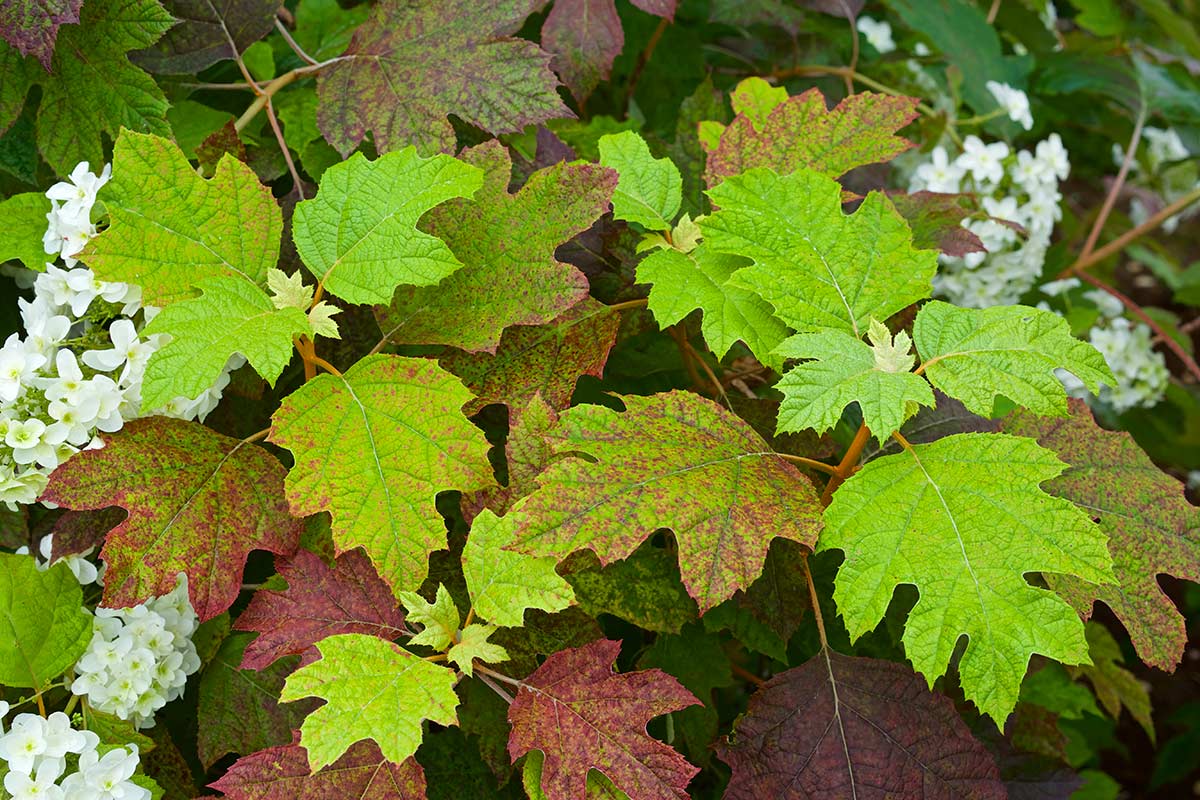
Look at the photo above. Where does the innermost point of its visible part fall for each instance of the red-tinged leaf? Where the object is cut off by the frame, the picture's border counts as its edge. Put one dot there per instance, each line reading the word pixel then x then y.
pixel 936 222
pixel 584 36
pixel 77 532
pixel 802 132
pixel 855 727
pixel 31 26
pixel 281 773
pixel 198 503
pixel 411 64
pixel 583 715
pixel 673 460
pixel 527 453
pixel 208 31
pixel 659 8
pixel 1152 529
pixel 543 360
pixel 506 242
pixel 320 601
pixel 221 141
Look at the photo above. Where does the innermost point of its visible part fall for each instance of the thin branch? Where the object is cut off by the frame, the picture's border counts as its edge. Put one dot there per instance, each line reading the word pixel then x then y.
pixel 1118 183
pixel 746 674
pixel 274 86
pixel 254 437
pixel 325 365
pixel 712 376
pixel 993 11
pixel 816 604
pixel 638 303
pixel 1123 241
pixel 809 462
pixel 297 184
pixel 854 52
pixel 505 696
pixel 903 442
pixel 498 676
pixel 292 43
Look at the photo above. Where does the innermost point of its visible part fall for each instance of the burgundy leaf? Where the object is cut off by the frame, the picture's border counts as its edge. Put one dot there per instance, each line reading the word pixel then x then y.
pixel 281 773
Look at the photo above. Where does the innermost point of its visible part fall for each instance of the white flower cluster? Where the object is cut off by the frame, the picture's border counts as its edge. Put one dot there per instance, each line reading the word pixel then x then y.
pixel 1164 167
pixel 139 658
pixel 1013 102
pixel 78 368
pixel 1020 194
pixel 35 750
pixel 84 571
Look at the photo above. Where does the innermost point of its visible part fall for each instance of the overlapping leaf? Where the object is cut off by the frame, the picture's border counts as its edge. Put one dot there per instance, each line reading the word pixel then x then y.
pixel 170 228
pixel 438 620
pixel 977 354
pixel 821 269
pixel 24 218
pixel 582 715
pixel 802 132
pixel 504 584
pixel 31 26
pixel 1116 687
pixel 359 234
pixel 473 643
pixel 198 503
pixel 411 64
pixel 373 690
pixel 855 727
pixel 282 773
pixel 208 31
pixel 1153 530
pixel 649 189
pixel 673 461
pixel 964 519
pixel 504 241
pixel 374 446
pixel 643 588
pixel 320 601
pixel 45 626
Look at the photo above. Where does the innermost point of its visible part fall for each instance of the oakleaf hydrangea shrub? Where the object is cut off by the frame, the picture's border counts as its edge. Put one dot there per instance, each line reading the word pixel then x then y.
pixel 568 400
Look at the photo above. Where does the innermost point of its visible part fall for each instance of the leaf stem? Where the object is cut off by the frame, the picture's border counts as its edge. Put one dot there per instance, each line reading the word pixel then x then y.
pixel 816 604
pixel 1122 241
pixel 1118 183
pixel 829 469
pixel 266 92
pixel 434 657
pixel 498 676
pixel 325 365
pixel 640 302
pixel 505 696
pixel 470 617
pixel 849 462
pixel 746 674
pixel 292 43
pixel 297 185
pixel 903 442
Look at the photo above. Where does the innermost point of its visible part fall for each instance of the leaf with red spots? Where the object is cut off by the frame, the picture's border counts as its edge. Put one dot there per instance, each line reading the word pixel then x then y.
pixel 1152 529
pixel 506 243
pixel 282 773
pixel 31 26
pixel 320 601
pixel 411 64
pixel 673 460
pixel 582 715
pixel 802 132
pixel 855 727
pixel 198 503
pixel 374 447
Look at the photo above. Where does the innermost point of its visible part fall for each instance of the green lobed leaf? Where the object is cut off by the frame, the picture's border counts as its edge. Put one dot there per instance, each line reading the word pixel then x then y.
pixel 411 64
pixel 359 235
pixel 170 228
pixel 821 269
pixel 373 690
pixel 844 370
pixel 964 519
pixel 473 644
pixel 649 189
pixel 643 588
pixel 439 619
pixel 24 218
pixel 682 282
pixel 674 461
pixel 1116 687
pixel 755 99
pixel 45 625
pixel 231 316
pixel 503 584
pixel 374 446
pixel 501 238
pixel 978 354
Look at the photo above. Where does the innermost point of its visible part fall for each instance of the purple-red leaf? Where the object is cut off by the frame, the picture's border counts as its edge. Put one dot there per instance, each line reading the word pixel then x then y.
pixel 936 222
pixel 281 773
pixel 31 26
pixel 207 32
pixel 583 715
pixel 855 727
pixel 584 36
pixel 320 601
pixel 198 503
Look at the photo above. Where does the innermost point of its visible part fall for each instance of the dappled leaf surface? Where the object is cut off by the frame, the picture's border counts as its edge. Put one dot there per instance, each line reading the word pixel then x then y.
pixel 198 503
pixel 583 715
pixel 282 773
pixel 504 584
pixel 31 26
pixel 855 727
pixel 203 34
pixel 936 222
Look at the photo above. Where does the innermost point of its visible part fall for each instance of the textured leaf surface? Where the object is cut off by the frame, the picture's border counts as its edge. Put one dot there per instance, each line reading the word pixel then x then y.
pixel 644 589
pixel 544 360
pixel 964 519
pixel 598 786
pixel 411 64
pixel 819 268
pixel 231 316
pixel 239 709
pixel 31 26
pixel 673 461
pixel 374 447
pixel 359 234
pixel 198 503
pixel 24 218
pixel 1115 686
pixel 855 727
pixel 170 228
pixel 44 625
pixel 681 282
pixel 504 584
pixel 650 189
pixel 802 132
pixel 506 243
pixel 977 354
pixel 584 36
pixel 583 715
pixel 373 690
pixel 93 91
pixel 202 36
pixel 320 601
pixel 1152 529
pixel 473 644
pixel 843 370
pixel 438 620
pixel 282 773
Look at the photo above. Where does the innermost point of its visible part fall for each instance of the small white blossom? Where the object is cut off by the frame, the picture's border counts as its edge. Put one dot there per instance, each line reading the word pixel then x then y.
pixel 1014 102
pixel 878 34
